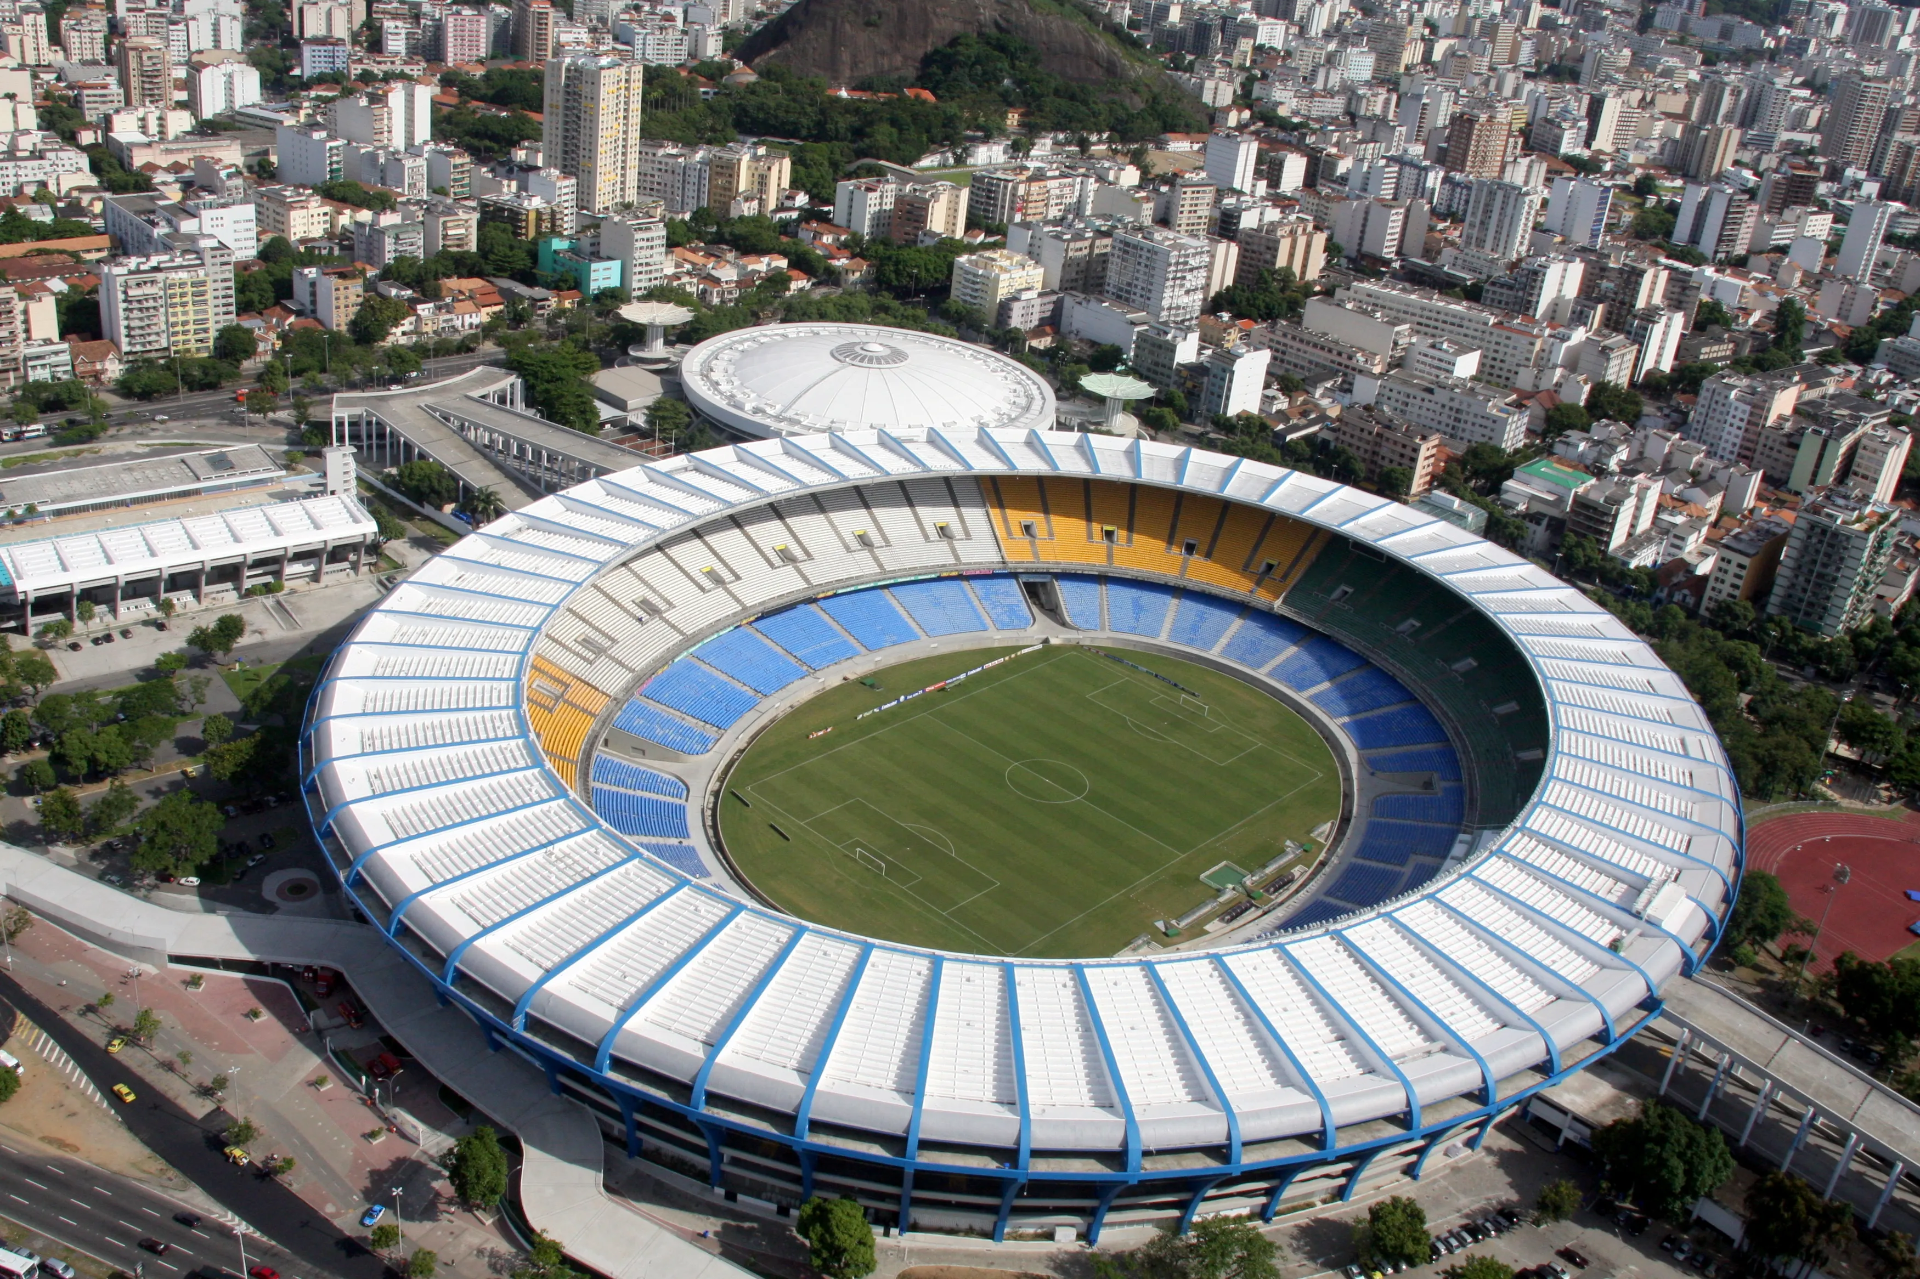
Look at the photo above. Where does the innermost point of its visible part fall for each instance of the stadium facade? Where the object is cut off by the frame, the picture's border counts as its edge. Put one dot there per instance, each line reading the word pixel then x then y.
pixel 1582 846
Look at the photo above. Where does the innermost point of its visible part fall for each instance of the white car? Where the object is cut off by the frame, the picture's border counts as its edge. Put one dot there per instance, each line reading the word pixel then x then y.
pixel 54 1268
pixel 188 881
pixel 161 417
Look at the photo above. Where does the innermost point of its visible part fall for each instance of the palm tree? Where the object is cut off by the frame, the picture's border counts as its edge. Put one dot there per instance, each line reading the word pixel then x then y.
pixel 485 505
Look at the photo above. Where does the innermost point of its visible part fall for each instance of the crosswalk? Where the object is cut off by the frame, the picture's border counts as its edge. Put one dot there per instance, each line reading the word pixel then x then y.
pixel 41 1045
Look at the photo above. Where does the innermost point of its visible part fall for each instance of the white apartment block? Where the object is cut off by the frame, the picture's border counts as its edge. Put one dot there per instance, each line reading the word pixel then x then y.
pixel 1732 409
pixel 398 114
pixel 1161 272
pixel 981 280
pixel 641 243
pixel 294 213
pixel 1232 160
pixel 865 205
pixel 307 156
pixel 169 303
pixel 221 87
pixel 1466 411
pixel 672 174
pixel 592 129
pixel 30 160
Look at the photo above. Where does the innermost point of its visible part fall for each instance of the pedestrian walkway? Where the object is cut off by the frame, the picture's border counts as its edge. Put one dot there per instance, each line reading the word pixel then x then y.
pixel 562 1190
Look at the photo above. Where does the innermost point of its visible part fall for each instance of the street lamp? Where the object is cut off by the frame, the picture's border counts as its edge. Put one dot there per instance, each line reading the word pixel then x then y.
pixel 1842 874
pixel 399 1229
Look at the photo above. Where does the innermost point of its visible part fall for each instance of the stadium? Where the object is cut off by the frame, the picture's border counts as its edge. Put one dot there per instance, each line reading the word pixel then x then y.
pixel 534 763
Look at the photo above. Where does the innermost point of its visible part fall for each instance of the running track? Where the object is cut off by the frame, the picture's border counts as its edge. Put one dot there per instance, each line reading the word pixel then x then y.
pixel 1871 913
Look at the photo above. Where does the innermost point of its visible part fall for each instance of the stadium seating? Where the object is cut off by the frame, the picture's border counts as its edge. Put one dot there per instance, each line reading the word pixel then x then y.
pixel 1315 662
pixel 941 607
pixel 1420 874
pixel 1362 885
pixel 1449 805
pixel 1137 608
pixel 1318 912
pixel 684 858
pixel 1367 689
pixel 697 692
pixel 1439 760
pixel 1396 726
pixel 871 618
pixel 1200 620
pixel 1394 843
pixel 1016 502
pixel 632 814
pixel 608 771
pixel 808 635
pixel 1080 597
pixel 1146 530
pixel 751 660
pixel 1005 602
pixel 655 725
pixel 1261 638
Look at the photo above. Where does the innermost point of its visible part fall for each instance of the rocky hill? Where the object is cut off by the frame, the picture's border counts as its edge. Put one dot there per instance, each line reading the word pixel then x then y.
pixel 848 40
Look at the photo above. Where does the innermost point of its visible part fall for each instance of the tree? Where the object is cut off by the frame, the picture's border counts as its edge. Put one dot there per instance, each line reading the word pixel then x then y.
pixel 483 505
pixel 1664 1159
pixel 376 318
pixel 177 835
pixel 106 814
pixel 1395 1230
pixel 839 1240
pixel 1479 1268
pixel 1787 1218
pixel 170 663
pixel 35 670
pixel 146 1024
pixel 477 1167
pixel 61 815
pixel 1761 913
pixel 385 1235
pixel 1893 1255
pixel 422 1264
pixel 1558 1201
pixel 545 1260
pixel 216 729
pixel 36 775
pixel 234 343
pixel 1394 481
pixel 426 482
pixel 242 1132
pixel 16 730
pixel 218 639
pixel 1865 729
pixel 1562 418
pixel 668 419
pixel 1885 996
pixel 1611 401
pixel 232 760
pixel 1217 1248
pixel 16 920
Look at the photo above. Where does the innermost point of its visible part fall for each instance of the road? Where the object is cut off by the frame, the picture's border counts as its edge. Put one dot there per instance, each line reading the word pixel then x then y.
pixel 198 405
pixel 307 1243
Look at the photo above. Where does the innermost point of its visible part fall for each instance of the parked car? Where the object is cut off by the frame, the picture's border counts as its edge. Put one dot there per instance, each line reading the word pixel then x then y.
pixel 1574 1257
pixel 124 1093
pixel 266 841
pixel 351 1012
pixel 115 1044
pixel 376 1211
pixel 309 973
pixel 263 1272
pixel 237 1156
pixel 188 881
pixel 54 1268
pixel 323 984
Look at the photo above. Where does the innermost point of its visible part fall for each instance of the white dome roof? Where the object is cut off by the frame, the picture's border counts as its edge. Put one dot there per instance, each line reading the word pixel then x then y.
pixel 797 379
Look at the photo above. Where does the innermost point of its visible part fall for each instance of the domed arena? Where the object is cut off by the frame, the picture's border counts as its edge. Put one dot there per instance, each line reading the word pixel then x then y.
pixel 1012 828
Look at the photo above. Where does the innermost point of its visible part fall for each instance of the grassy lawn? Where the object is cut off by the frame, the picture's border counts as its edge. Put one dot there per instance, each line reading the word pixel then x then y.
pixel 274 687
pixel 1054 806
pixel 959 177
pixel 28 459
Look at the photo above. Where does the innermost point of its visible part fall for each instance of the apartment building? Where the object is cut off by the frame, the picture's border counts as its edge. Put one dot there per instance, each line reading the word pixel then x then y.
pixel 1159 271
pixel 1748 558
pixel 640 242
pixel 146 73
pixel 308 156
pixel 1833 562
pixel 591 128
pixel 331 295
pixel 294 213
pixel 983 280
pixel 1469 412
pixel 746 170
pixel 1380 444
pixel 170 303
pixel 1294 244
pixel 1733 408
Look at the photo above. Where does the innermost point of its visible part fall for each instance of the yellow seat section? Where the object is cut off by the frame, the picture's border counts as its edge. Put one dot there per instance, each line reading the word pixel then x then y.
pixel 1153 514
pixel 1075 539
pixel 1292 547
pixel 561 709
pixel 1232 564
pixel 1017 502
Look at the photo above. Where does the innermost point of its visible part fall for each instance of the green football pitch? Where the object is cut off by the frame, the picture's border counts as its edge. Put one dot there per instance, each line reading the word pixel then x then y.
pixel 1054 806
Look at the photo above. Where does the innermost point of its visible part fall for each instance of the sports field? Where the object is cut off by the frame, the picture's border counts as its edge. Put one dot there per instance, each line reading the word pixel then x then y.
pixel 1054 806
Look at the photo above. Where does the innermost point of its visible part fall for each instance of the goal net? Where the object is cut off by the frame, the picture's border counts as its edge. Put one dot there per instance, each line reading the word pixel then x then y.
pixel 868 860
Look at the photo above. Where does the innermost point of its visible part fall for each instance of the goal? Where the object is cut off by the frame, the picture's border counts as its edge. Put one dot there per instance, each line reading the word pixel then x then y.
pixel 868 860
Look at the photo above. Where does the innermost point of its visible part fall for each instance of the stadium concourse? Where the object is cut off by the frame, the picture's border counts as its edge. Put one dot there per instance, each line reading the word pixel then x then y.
pixel 586 665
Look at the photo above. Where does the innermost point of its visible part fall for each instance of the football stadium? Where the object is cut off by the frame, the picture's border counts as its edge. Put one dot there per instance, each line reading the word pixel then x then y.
pixel 1016 829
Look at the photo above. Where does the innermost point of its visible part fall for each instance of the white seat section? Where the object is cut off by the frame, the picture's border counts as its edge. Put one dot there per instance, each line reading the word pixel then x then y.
pixel 972 1059
pixel 413 732
pixel 762 575
pixel 1602 699
pixel 1573 870
pixel 868 1077
pixel 415 770
pixel 622 964
pixel 1610 651
pixel 414 596
pixel 1548 899
pixel 380 663
pixel 1628 679
pixel 934 506
pixel 1361 997
pixel 488 898
pixel 784 1034
pixel 850 518
pixel 1634 790
pixel 441 857
pixel 1518 931
pixel 1465 1017
pixel 674 1029
pixel 1066 1079
pixel 984 546
pixel 1320 1045
pixel 1148 1049
pixel 401 697
pixel 909 544
pixel 829 557
pixel 1445 934
pixel 457 803
pixel 1610 845
pixel 1645 763
pixel 1234 1047
pixel 676 572
pixel 766 533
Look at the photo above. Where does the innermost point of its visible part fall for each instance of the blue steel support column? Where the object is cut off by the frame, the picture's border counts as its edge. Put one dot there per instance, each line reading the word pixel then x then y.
pixel 628 1121
pixel 1206 1067
pixel 807 1160
pixel 1200 1189
pixel 1286 1050
pixel 553 1075
pixel 1099 1219
pixel 1007 1194
pixel 603 1055
pixel 1426 1153
pixel 720 1041
pixel 1113 1067
pixel 714 1161
pixel 1360 1167
pixel 1480 1137
pixel 1280 1188
pixel 1332 1006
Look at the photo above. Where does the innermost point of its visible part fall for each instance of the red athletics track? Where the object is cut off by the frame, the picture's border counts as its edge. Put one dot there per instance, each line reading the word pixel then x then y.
pixel 1871 913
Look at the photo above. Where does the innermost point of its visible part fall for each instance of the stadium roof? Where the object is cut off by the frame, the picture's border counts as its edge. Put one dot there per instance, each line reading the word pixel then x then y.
pixel 797 379
pixel 446 737
pixel 145 478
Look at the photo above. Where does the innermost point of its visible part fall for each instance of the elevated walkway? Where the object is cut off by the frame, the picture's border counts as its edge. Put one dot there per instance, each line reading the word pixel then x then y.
pixel 562 1191
pixel 475 426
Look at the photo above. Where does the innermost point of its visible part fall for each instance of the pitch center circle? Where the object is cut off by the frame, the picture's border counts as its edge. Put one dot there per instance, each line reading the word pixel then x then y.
pixel 1047 781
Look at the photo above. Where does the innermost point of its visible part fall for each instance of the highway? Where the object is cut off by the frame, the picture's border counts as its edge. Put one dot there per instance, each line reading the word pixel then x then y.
pixel 201 405
pixel 72 1201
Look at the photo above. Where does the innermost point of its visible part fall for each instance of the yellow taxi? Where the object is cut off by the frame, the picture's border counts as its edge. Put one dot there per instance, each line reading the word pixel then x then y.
pixel 123 1092
pixel 115 1044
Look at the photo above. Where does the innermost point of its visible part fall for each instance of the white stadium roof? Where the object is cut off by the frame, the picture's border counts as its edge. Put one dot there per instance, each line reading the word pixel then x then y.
pixel 797 379
pixel 446 739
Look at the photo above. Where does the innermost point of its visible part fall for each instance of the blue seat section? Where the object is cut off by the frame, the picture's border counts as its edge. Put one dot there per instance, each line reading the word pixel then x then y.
pixel 1364 885
pixel 1447 806
pixel 693 690
pixel 1419 875
pixel 1440 761
pixel 1138 608
pixel 1261 638
pixel 1362 691
pixel 639 814
pixel 1080 596
pixel 808 635
pixel 1319 660
pixel 617 772
pixel 870 617
pixel 1397 843
pixel 656 725
pixel 1005 602
pixel 1317 913
pixel 1401 726
pixel 1201 620
pixel 684 858
pixel 941 608
pixel 751 660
